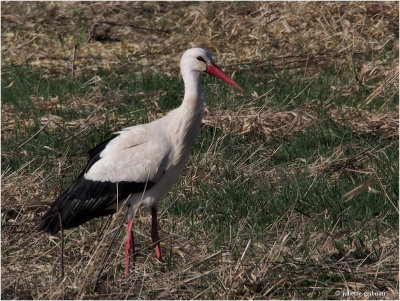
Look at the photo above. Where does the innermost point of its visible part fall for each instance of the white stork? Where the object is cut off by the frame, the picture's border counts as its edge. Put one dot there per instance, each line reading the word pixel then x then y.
pixel 140 164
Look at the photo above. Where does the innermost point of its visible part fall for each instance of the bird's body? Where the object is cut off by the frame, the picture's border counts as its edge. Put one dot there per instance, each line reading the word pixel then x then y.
pixel 141 163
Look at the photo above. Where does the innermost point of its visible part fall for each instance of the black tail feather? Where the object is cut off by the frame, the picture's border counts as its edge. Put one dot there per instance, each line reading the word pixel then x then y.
pixel 85 200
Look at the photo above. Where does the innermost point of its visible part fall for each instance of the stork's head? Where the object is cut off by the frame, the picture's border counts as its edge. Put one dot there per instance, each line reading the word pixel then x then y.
pixel 200 60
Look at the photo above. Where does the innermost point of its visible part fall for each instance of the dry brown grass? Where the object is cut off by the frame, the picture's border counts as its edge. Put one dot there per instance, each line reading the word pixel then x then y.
pixel 152 33
pixel 274 124
pixel 307 35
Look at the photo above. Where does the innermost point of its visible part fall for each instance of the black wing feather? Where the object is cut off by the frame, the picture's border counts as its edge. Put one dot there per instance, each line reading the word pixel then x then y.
pixel 87 199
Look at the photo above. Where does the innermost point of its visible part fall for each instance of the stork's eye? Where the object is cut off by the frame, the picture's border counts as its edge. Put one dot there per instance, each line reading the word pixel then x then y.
pixel 201 59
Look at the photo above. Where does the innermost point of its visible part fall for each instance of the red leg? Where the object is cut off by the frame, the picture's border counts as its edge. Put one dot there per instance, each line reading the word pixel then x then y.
pixel 129 246
pixel 154 233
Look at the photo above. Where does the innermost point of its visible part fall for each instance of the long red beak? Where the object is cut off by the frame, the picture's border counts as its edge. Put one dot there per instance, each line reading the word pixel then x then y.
pixel 215 71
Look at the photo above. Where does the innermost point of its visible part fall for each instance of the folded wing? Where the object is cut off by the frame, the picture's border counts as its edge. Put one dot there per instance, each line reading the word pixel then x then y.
pixel 128 164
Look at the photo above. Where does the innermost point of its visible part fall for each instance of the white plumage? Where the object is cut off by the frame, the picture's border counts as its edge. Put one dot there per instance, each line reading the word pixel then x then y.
pixel 142 163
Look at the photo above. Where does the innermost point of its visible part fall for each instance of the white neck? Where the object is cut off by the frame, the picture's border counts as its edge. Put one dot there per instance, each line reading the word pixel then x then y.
pixel 187 119
pixel 193 99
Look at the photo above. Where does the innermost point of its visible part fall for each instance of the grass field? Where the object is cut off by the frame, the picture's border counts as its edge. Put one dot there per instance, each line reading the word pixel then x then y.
pixel 292 187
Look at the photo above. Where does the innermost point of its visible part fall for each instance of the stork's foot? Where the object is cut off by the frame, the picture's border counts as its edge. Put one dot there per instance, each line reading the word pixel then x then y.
pixel 154 235
pixel 129 248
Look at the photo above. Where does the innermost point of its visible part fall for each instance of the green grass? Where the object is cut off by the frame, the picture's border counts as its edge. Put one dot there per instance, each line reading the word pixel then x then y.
pixel 240 197
pixel 320 139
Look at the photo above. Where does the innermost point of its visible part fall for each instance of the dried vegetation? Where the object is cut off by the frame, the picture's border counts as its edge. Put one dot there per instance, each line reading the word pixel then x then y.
pixel 308 36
